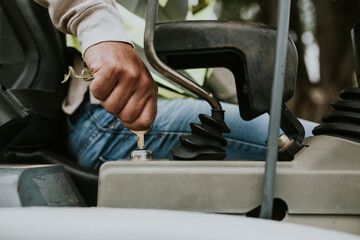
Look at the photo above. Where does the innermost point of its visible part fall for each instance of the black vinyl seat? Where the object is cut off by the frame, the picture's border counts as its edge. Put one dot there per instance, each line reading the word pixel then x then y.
pixel 33 60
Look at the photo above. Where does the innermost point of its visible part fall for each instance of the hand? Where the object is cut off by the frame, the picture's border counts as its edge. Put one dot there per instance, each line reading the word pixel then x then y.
pixel 123 84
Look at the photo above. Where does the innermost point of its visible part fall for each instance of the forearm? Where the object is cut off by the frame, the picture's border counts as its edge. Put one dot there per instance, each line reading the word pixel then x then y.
pixel 92 21
pixel 121 81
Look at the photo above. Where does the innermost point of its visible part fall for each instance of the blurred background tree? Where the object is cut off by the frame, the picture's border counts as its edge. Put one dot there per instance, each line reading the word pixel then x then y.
pixel 321 32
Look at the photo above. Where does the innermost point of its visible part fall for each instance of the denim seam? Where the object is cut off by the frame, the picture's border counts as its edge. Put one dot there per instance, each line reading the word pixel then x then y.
pixel 97 124
pixel 88 141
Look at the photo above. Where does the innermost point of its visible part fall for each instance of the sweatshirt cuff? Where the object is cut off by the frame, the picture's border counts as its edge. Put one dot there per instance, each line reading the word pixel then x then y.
pixel 99 23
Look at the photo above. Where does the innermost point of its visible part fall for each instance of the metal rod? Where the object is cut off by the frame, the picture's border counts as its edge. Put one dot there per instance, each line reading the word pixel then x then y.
pixel 163 68
pixel 275 108
pixel 355 37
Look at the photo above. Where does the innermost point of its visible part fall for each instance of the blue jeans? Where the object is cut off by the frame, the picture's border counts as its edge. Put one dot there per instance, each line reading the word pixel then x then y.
pixel 96 136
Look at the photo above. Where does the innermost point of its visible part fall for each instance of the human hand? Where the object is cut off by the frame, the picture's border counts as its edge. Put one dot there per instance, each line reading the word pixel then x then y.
pixel 123 84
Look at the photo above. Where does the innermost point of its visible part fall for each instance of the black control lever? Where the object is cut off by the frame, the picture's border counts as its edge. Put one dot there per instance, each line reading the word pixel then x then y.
pixel 206 140
pixel 344 121
pixel 294 130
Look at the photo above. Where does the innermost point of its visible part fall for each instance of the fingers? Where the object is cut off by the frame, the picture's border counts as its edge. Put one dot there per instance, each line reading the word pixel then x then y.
pixel 105 81
pixel 122 83
pixel 128 103
pixel 114 99
pixel 145 119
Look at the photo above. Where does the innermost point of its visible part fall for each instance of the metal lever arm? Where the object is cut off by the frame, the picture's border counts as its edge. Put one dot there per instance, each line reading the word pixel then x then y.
pixel 163 68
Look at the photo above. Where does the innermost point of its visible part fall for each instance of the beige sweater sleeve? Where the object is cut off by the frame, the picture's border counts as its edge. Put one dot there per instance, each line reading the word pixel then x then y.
pixel 91 21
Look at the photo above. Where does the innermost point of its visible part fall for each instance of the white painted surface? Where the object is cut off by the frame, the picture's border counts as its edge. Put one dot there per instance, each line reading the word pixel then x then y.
pixel 109 223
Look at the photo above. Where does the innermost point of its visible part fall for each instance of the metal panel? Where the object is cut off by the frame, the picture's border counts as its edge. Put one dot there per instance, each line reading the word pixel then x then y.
pixel 37 185
pixel 322 179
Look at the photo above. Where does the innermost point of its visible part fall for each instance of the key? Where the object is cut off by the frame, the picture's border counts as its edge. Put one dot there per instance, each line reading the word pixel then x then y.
pixel 140 137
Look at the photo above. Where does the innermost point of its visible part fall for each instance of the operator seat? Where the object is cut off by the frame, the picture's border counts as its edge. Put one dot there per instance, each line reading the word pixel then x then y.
pixel 33 59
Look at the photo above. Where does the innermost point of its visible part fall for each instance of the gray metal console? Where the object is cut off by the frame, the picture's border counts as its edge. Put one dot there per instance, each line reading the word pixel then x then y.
pixel 322 180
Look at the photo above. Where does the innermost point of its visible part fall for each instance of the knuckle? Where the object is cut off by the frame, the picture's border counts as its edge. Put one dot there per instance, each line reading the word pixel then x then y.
pixel 132 73
pixel 147 85
pixel 112 106
pixel 111 109
pixel 113 65
pixel 143 85
pixel 146 122
pixel 97 91
pixel 113 69
pixel 127 117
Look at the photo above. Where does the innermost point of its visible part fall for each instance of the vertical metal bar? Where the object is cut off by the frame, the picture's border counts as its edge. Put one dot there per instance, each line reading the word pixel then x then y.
pixel 275 108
